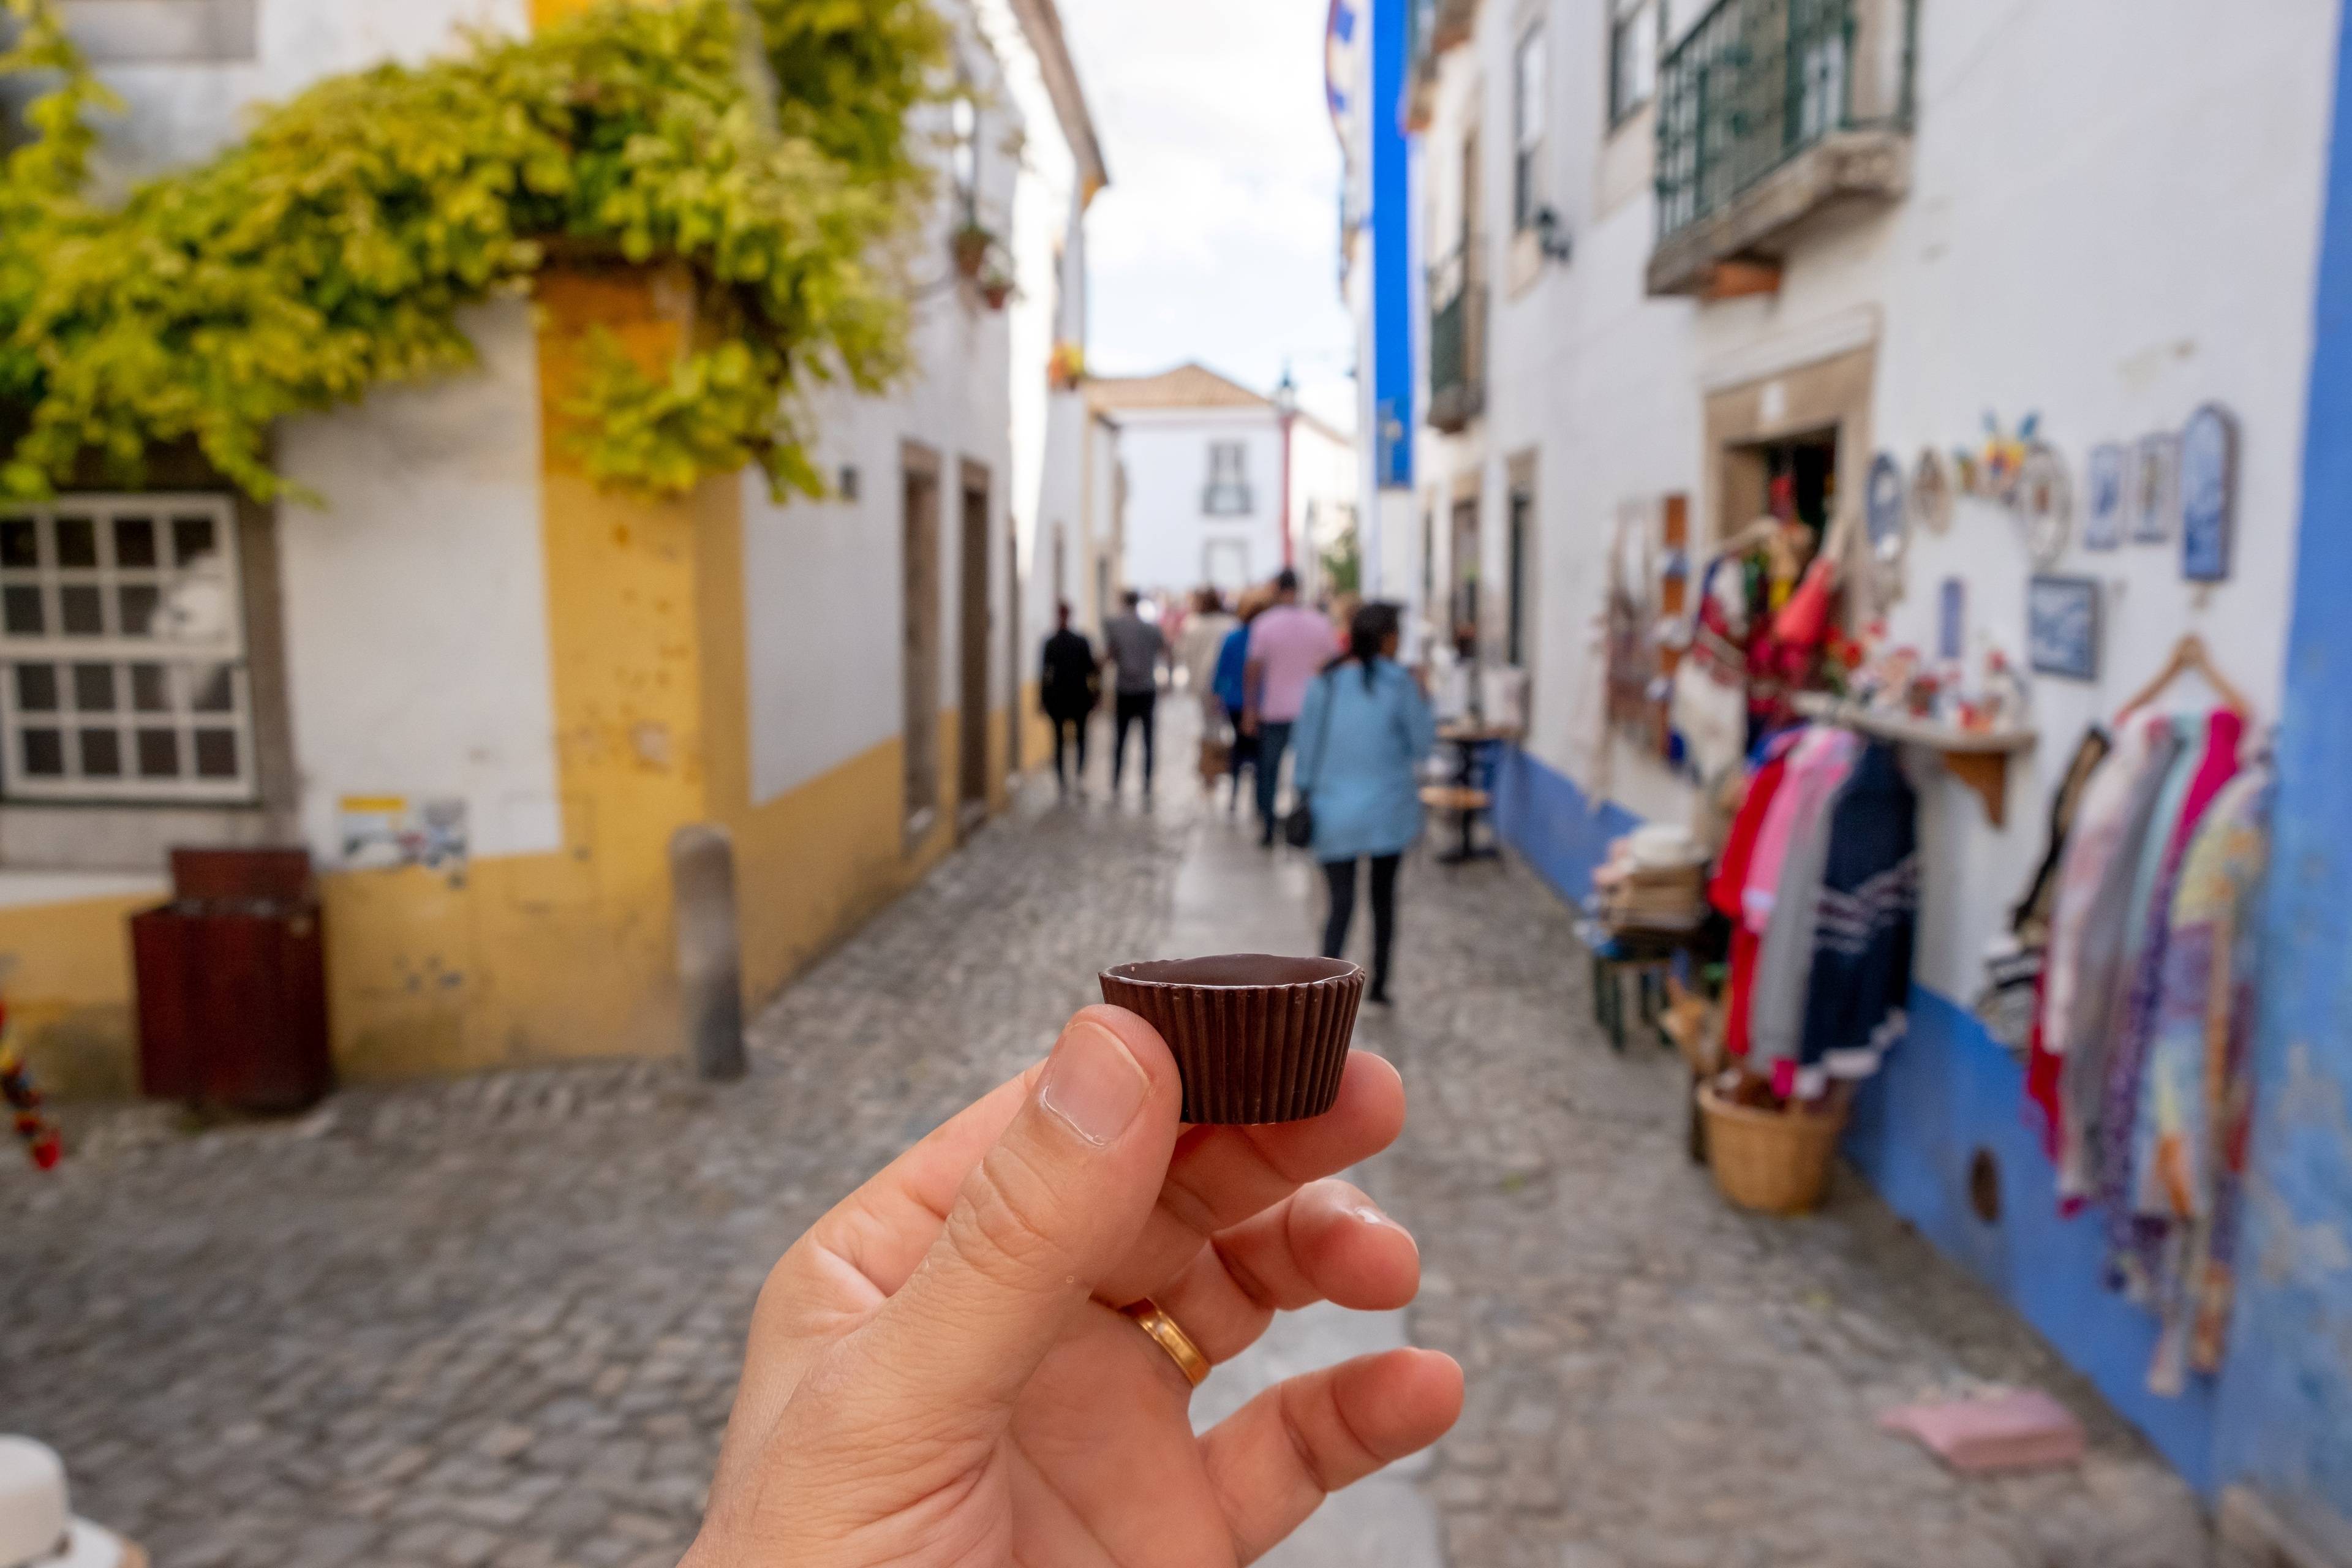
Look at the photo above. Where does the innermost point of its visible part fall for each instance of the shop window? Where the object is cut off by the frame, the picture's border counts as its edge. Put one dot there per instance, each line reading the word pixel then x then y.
pixel 1529 75
pixel 122 657
pixel 1633 28
pixel 1227 493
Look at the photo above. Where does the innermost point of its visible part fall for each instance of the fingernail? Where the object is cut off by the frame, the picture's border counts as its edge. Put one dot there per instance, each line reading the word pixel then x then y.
pixel 1093 1084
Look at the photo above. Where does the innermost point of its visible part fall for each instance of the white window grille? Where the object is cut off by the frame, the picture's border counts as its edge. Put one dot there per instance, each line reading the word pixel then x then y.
pixel 122 655
pixel 1228 491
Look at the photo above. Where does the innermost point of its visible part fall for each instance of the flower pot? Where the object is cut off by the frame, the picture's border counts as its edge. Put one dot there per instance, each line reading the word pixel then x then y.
pixel 972 246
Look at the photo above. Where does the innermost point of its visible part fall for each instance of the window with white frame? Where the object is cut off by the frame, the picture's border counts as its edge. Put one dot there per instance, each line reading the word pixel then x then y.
pixel 123 659
pixel 1634 29
pixel 1227 493
pixel 1529 73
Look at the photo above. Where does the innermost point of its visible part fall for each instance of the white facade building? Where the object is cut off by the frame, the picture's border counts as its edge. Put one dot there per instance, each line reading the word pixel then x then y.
pixel 1224 486
pixel 1871 238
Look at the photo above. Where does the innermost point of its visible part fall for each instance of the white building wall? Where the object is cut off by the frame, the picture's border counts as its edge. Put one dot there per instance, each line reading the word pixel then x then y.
pixel 2104 227
pixel 1169 535
pixel 416 601
pixel 822 579
pixel 178 113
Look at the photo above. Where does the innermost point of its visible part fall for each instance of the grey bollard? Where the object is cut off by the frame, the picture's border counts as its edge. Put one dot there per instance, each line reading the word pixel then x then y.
pixel 709 950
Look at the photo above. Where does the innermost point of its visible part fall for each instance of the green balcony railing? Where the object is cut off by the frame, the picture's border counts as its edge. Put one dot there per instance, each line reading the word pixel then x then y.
pixel 1457 350
pixel 1756 82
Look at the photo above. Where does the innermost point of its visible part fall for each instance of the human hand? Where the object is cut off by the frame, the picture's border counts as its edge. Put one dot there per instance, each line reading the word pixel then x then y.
pixel 1249 722
pixel 936 1374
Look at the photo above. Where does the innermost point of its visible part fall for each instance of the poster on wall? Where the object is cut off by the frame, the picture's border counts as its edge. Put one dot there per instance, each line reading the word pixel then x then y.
pixel 2044 498
pixel 2102 517
pixel 2209 484
pixel 382 830
pixel 2155 489
pixel 2062 627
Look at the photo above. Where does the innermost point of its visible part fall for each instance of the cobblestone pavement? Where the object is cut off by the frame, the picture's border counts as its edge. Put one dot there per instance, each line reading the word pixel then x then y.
pixel 498 1320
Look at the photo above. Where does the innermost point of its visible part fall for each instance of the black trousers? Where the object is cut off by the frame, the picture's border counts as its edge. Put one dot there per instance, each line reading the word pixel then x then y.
pixel 1066 725
pixel 1342 876
pixel 1134 708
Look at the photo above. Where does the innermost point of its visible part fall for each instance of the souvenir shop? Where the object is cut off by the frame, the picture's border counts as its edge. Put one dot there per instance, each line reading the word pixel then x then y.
pixel 1813 696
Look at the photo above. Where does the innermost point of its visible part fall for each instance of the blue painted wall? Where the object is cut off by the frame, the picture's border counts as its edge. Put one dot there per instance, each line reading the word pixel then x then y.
pixel 1947 1092
pixel 1551 824
pixel 2286 1424
pixel 1393 270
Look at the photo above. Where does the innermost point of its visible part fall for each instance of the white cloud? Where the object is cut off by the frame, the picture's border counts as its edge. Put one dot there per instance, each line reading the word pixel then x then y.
pixel 1217 238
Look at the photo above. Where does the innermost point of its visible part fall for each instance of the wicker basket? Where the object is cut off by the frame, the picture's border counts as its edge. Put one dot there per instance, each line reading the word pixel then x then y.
pixel 1774 1162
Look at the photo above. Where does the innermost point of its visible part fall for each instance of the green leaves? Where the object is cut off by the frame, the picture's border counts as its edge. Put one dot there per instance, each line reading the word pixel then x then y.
pixel 331 250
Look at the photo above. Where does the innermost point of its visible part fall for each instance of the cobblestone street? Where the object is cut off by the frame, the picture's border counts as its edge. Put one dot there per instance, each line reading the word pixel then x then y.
pixel 498 1320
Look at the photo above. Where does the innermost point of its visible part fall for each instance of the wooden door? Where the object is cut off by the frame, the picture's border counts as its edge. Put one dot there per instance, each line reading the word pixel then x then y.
pixel 920 646
pixel 973 557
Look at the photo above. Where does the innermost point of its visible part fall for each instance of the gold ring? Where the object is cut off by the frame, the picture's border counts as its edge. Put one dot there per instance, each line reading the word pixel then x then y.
pixel 1170 1338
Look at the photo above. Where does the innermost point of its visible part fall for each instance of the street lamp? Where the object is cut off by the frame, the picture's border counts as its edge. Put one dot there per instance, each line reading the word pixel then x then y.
pixel 1286 408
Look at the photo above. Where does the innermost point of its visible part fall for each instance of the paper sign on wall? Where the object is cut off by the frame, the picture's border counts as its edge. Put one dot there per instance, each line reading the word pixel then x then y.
pixel 379 830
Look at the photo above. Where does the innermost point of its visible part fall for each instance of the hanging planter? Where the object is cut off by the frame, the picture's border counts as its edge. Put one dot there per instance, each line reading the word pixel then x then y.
pixel 996 289
pixel 1066 369
pixel 971 244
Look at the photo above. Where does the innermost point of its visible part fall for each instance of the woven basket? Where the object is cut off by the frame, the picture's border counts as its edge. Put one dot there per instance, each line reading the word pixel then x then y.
pixel 1774 1162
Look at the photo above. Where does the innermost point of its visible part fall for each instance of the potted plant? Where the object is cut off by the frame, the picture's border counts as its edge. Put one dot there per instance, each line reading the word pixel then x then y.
pixel 972 243
pixel 1066 368
pixel 996 287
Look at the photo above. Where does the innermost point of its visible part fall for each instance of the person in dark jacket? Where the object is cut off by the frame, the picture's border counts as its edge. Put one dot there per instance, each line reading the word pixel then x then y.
pixel 1069 684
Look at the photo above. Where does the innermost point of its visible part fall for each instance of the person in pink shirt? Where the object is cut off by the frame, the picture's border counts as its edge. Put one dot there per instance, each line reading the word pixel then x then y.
pixel 1288 646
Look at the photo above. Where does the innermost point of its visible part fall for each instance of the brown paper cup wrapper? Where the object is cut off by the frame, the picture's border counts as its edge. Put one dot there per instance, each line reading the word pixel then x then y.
pixel 1258 1037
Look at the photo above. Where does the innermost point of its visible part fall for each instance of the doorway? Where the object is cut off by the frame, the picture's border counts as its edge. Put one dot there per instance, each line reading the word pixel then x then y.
pixel 1793 477
pixel 1013 705
pixel 919 646
pixel 1463 632
pixel 1523 513
pixel 973 555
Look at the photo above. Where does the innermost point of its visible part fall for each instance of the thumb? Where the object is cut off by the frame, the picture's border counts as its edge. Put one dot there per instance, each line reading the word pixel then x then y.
pixel 1061 1198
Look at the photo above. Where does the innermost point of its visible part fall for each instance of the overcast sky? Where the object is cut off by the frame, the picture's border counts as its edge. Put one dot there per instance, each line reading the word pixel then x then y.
pixel 1218 237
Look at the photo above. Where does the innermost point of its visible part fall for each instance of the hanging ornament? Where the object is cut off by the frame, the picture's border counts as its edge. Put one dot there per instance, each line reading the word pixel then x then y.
pixel 2044 496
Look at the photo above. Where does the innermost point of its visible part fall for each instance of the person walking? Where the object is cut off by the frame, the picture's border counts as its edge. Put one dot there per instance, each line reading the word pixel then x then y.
pixel 1230 686
pixel 1364 727
pixel 1069 684
pixel 1133 647
pixel 1288 644
pixel 1198 648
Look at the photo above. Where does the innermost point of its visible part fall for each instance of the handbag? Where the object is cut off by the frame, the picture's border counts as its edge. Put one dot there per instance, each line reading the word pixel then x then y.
pixel 1298 827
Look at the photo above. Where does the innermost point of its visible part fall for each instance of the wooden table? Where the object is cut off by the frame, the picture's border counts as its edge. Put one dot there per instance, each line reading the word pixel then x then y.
pixel 1463 797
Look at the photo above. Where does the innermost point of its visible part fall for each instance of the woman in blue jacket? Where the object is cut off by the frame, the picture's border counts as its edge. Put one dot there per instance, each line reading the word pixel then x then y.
pixel 1366 727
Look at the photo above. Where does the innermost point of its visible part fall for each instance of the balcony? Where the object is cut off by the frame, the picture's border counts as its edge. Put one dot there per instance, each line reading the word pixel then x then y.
pixel 1227 499
pixel 1769 113
pixel 1457 339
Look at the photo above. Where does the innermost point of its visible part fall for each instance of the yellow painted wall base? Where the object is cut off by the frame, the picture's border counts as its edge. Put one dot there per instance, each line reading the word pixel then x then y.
pixel 70 994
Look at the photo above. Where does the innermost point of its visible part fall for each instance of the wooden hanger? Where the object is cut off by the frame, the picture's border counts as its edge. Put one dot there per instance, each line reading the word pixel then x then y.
pixel 2189 653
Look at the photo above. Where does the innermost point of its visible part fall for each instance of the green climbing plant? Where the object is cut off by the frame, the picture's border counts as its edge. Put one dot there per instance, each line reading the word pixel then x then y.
pixel 333 249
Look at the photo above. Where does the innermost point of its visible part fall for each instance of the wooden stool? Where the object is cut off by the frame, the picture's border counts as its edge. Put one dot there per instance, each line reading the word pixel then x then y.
pixel 1646 957
pixel 1463 802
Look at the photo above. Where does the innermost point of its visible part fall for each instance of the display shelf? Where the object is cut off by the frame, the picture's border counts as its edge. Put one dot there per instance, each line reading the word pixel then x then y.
pixel 1978 758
